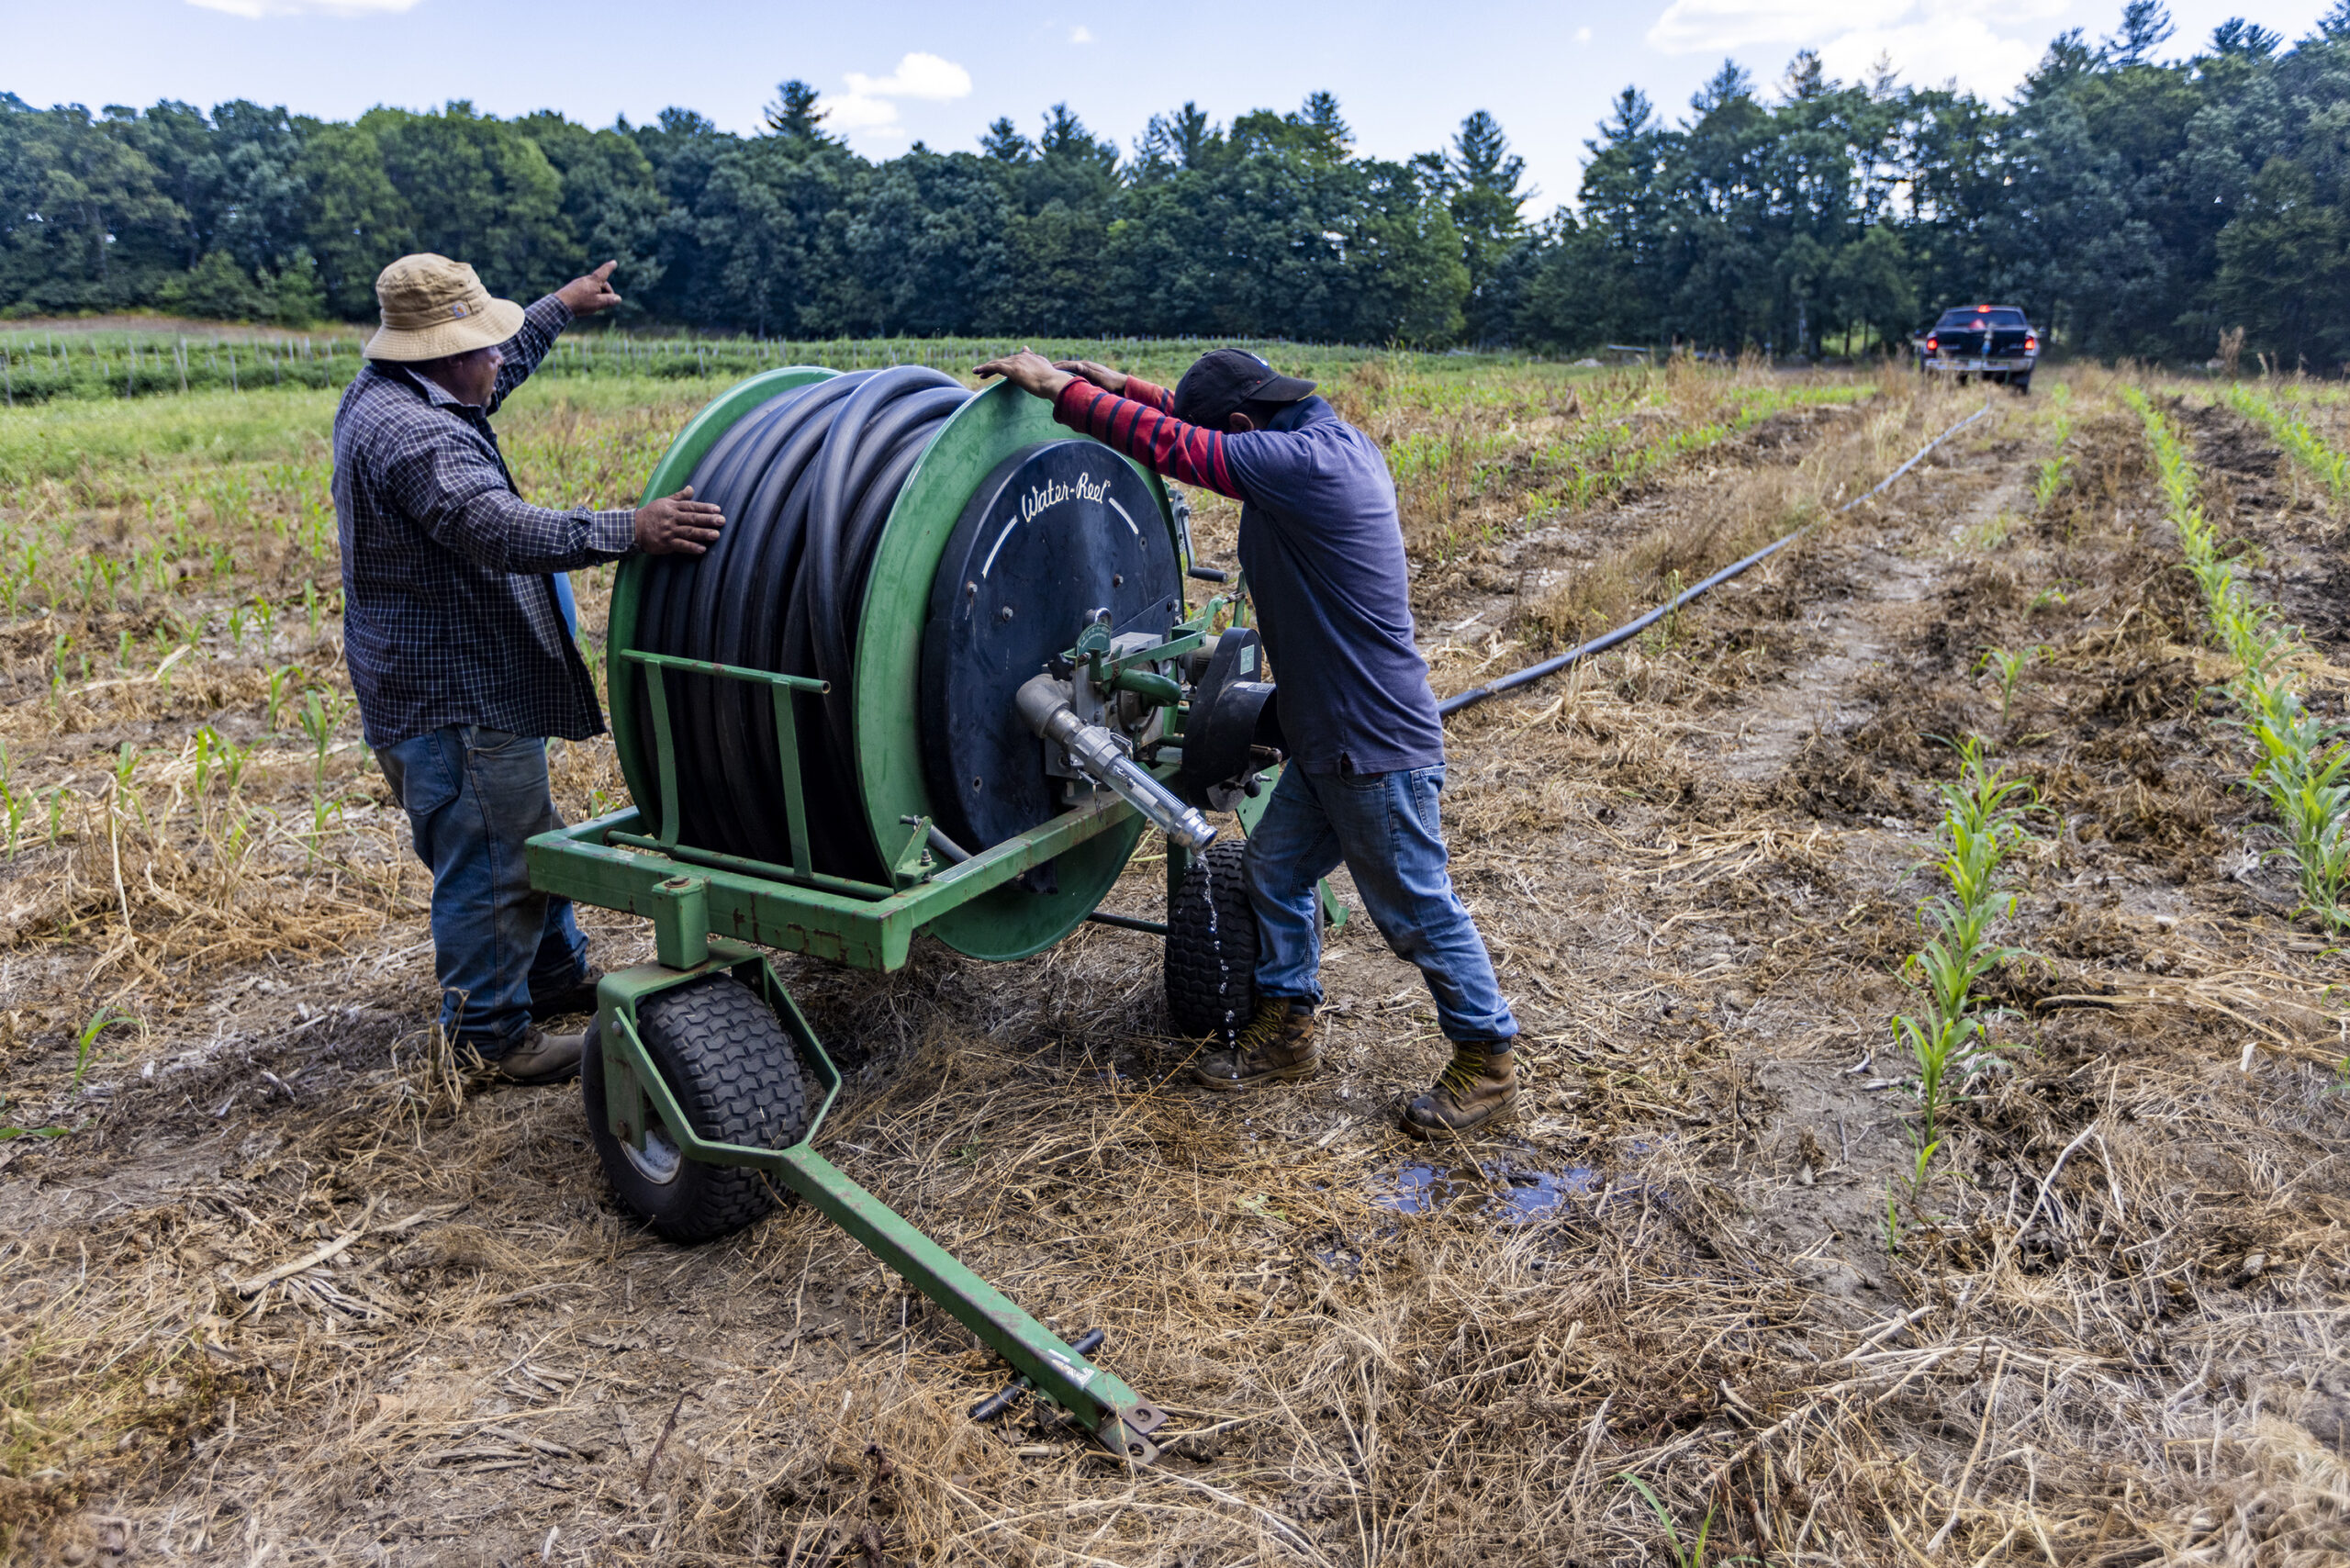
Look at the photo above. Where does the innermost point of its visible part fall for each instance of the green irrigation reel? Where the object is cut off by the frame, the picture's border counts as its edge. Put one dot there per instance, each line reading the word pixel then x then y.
pixel 937 675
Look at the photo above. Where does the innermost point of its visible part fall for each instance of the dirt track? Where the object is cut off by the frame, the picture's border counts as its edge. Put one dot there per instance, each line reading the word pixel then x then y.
pixel 1696 866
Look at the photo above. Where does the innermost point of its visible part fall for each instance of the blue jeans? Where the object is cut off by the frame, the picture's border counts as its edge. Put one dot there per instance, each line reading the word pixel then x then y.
pixel 1383 825
pixel 473 796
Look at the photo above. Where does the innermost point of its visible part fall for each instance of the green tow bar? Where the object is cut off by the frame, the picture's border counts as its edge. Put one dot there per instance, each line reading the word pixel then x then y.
pixel 1090 1396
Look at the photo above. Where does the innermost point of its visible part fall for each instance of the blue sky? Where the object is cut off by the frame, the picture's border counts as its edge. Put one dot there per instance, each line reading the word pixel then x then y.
pixel 1405 74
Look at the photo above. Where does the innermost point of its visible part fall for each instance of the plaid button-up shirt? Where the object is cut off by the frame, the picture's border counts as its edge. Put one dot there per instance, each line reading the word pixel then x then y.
pixel 450 616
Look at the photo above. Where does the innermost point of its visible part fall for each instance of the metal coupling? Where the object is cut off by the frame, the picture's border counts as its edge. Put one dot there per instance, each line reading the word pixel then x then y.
pixel 1044 708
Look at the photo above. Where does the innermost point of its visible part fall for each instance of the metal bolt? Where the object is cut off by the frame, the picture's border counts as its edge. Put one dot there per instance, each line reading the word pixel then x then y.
pixel 1006 615
pixel 1117 579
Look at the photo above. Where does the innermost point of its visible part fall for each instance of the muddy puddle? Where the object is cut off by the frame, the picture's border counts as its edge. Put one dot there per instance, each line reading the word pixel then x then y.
pixel 1501 1192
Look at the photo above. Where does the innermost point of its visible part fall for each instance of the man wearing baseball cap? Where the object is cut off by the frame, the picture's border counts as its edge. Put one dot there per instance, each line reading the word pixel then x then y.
pixel 458 633
pixel 1322 550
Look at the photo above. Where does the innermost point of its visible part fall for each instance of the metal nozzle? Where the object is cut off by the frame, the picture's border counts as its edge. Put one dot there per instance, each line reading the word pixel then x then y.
pixel 1044 707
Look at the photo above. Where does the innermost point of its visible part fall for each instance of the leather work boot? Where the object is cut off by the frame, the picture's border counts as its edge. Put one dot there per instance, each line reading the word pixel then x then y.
pixel 541 1058
pixel 1279 1043
pixel 1476 1090
pixel 579 996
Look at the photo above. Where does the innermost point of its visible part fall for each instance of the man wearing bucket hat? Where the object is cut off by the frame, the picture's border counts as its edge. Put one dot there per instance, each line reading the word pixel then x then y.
pixel 458 631
pixel 1323 551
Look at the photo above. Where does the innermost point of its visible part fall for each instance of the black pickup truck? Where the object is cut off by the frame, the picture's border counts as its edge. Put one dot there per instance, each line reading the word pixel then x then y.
pixel 1993 341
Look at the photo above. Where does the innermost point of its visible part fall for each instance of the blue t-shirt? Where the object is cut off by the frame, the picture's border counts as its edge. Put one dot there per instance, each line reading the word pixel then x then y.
pixel 1324 550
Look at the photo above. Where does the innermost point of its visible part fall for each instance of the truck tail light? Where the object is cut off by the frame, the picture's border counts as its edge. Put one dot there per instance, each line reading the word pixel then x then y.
pixel 2031 343
pixel 1933 345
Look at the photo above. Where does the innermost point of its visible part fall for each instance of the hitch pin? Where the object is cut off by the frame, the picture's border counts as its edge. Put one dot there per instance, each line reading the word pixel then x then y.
pixel 1004 1398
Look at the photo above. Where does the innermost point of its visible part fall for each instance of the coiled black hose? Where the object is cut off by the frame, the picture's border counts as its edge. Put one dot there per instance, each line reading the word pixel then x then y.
pixel 806 481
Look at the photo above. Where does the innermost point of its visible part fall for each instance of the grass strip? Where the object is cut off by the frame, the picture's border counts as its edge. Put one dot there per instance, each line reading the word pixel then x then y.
pixel 2302 762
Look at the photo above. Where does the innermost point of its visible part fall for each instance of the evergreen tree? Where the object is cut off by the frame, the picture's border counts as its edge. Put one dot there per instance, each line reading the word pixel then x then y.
pixel 794 114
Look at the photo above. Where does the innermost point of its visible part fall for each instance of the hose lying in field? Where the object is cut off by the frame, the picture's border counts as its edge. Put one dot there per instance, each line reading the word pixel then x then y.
pixel 806 481
pixel 1631 629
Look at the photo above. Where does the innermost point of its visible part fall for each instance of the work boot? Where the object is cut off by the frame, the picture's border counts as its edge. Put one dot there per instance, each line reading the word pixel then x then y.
pixel 1477 1089
pixel 579 996
pixel 1279 1042
pixel 539 1058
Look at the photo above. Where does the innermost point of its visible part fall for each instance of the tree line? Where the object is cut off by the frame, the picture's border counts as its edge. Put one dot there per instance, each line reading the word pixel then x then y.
pixel 2133 206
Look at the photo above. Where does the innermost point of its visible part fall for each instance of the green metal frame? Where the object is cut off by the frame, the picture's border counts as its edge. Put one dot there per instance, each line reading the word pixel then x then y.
pixel 1090 1397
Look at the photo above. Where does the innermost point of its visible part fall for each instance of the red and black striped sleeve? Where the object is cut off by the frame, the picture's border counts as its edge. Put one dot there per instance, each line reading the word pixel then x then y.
pixel 1149 392
pixel 1146 431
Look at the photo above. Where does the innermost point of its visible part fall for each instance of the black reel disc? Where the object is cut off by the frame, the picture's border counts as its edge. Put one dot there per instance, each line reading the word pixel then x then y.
pixel 1233 713
pixel 1057 533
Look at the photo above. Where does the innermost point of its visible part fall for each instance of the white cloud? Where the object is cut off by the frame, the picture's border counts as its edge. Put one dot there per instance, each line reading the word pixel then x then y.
pixel 1582 35
pixel 1961 48
pixel 855 111
pixel 1082 35
pixel 870 105
pixel 256 9
pixel 1985 45
pixel 925 76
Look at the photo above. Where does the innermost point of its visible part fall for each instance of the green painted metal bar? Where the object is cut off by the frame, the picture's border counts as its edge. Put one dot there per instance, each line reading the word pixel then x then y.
pixel 1147 684
pixel 1097 1399
pixel 732 672
pixel 719 860
pixel 795 797
pixel 608 862
pixel 656 692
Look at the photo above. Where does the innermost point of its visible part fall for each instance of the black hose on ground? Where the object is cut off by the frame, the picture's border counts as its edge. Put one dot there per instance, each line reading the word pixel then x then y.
pixel 806 481
pixel 1633 628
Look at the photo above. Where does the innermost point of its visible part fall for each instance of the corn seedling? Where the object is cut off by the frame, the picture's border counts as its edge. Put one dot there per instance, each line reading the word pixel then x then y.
pixel 324 809
pixel 281 689
pixel 1684 1554
pixel 85 1045
pixel 12 805
pixel 319 722
pixel 1982 822
pixel 86 1042
pixel 2008 668
pixel 2049 478
pixel 207 740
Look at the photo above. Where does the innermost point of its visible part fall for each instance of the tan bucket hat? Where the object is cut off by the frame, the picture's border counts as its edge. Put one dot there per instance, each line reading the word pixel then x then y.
pixel 434 308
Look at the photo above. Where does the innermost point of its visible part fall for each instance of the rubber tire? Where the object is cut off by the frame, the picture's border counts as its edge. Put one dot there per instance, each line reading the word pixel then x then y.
pixel 732 1067
pixel 2022 387
pixel 1212 944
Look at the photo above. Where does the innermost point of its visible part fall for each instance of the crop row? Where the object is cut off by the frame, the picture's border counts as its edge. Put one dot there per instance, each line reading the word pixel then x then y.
pixel 2301 764
pixel 2290 430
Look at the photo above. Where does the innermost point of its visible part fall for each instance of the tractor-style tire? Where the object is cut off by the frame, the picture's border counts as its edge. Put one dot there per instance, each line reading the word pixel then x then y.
pixel 1212 946
pixel 732 1067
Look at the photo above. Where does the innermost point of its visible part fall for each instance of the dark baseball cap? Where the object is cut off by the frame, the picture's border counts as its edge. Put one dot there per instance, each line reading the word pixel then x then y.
pixel 1219 382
